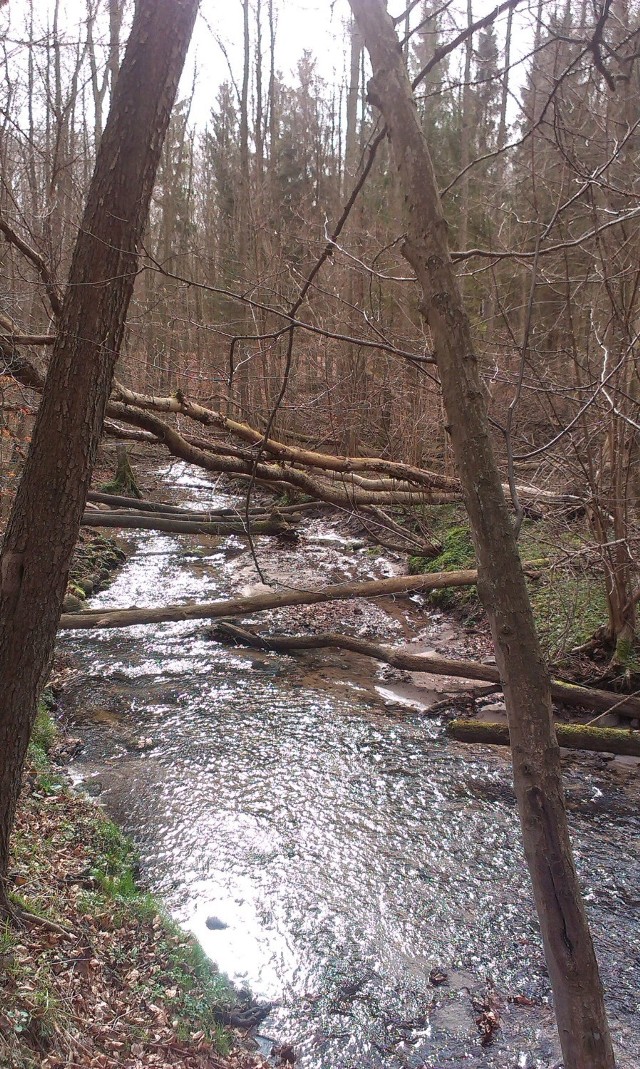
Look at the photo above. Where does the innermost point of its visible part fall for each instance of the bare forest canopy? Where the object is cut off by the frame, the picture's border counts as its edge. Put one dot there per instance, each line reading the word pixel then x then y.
pixel 276 333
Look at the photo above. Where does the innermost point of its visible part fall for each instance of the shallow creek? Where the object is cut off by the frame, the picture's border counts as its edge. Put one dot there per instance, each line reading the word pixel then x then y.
pixel 348 847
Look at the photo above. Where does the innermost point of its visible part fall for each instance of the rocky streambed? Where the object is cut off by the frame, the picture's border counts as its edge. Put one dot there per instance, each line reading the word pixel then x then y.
pixel 356 867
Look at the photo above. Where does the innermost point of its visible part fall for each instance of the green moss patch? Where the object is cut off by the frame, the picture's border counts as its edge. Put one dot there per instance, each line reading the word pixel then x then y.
pixel 449 526
pixel 568 597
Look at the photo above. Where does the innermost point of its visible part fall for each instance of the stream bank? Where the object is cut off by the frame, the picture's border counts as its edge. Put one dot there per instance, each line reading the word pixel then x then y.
pixel 97 976
pixel 366 871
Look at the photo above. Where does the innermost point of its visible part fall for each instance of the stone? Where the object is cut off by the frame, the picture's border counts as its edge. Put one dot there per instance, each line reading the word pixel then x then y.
pixel 214 924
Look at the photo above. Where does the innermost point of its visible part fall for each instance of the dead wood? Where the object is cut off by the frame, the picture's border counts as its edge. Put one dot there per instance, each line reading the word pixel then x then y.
pixel 275 525
pixel 573 736
pixel 117 501
pixel 600 701
pixel 340 484
pixel 406 584
pixel 161 508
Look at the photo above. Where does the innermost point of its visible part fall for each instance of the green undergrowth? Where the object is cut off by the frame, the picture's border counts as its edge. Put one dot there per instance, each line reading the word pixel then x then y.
pixel 449 526
pixel 567 597
pixel 98 971
pixel 627 656
pixel 43 736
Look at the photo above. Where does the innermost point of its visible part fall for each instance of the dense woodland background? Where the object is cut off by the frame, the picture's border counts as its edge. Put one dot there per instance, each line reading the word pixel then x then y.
pixel 537 160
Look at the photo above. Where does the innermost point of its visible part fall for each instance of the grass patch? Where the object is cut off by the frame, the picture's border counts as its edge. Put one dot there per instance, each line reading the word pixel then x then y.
pixel 43 736
pixel 568 599
pixel 44 731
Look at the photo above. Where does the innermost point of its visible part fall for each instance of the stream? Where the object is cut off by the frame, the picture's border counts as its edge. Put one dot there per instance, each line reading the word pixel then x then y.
pixel 356 867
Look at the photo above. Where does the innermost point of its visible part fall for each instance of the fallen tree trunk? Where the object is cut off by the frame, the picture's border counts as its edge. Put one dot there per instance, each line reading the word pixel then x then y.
pixel 573 736
pixel 117 501
pixel 163 509
pixel 345 490
pixel 280 450
pixel 339 493
pixel 231 522
pixel 599 701
pixel 406 584
pixel 177 525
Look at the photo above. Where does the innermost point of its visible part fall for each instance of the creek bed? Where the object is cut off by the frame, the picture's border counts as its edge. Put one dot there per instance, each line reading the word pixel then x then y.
pixel 343 853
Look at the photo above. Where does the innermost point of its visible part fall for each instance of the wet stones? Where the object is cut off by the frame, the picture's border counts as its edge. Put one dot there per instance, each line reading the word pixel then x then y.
pixel 94 562
pixel 214 924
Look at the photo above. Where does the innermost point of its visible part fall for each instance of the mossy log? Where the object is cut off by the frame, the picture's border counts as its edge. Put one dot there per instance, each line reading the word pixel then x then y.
pixel 573 736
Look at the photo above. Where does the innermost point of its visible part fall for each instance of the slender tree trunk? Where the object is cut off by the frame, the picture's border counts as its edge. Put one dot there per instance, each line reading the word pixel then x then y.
pixel 466 126
pixel 44 523
pixel 578 998
pixel 242 369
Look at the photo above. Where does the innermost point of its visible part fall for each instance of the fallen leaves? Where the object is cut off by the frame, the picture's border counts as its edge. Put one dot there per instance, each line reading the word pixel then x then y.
pixel 488 1021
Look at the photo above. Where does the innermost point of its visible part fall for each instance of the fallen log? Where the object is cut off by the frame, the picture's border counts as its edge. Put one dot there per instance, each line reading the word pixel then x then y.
pixel 116 501
pixel 163 509
pixel 573 736
pixel 406 584
pixel 137 409
pixel 599 701
pixel 176 525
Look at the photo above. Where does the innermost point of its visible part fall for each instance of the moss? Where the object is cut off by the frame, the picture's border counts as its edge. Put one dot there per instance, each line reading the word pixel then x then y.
pixel 457 554
pixel 448 525
pixel 94 561
pixel 124 480
pixel 568 600
pixel 627 655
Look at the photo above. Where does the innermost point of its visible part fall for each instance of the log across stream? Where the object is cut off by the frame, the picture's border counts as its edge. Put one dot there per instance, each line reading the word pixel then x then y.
pixel 356 855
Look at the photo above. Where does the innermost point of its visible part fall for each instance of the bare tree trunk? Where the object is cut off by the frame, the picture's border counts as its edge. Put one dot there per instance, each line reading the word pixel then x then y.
pixel 44 523
pixel 242 369
pixel 578 998
pixel 466 127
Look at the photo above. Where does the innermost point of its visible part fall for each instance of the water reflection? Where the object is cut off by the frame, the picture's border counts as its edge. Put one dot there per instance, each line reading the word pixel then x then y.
pixel 345 854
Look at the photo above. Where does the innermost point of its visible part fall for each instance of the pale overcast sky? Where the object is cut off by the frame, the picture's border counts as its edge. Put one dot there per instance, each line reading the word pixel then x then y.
pixel 315 25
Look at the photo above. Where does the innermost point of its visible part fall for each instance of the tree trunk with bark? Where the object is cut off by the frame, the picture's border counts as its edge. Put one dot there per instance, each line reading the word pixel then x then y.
pixel 43 527
pixel 573 970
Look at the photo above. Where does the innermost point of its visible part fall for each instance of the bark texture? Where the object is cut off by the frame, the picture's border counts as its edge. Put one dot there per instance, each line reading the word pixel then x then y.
pixel 44 523
pixel 578 998
pixel 572 736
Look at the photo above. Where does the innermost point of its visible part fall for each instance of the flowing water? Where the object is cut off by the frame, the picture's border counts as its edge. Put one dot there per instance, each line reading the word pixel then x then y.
pixel 343 853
